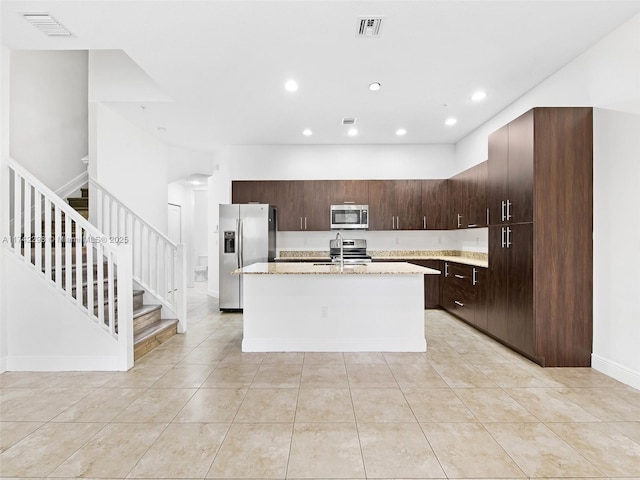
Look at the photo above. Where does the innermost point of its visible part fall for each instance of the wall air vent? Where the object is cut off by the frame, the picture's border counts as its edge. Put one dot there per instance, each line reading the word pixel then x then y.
pixel 369 27
pixel 47 24
pixel 349 121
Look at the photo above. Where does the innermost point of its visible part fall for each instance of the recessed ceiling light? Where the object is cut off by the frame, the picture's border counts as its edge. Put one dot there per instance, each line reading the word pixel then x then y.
pixel 291 86
pixel 479 95
pixel 352 132
pixel 450 121
pixel 306 132
pixel 375 86
pixel 400 132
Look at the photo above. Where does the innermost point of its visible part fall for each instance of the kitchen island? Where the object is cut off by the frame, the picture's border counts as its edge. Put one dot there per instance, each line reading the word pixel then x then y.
pixel 305 307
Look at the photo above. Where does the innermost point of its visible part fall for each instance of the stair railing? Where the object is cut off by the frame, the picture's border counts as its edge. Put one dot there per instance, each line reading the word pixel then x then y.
pixel 159 264
pixel 72 255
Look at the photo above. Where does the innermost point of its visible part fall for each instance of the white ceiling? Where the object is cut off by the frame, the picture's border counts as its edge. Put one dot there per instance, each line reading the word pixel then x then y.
pixel 224 63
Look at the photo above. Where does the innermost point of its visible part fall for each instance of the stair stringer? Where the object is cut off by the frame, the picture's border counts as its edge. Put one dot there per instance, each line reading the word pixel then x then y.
pixel 167 310
pixel 47 332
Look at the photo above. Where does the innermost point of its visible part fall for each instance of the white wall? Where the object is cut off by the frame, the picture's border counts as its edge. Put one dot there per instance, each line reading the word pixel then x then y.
pixel 616 335
pixel 184 162
pixel 200 245
pixel 194 203
pixel 219 192
pixel 333 162
pixel 52 333
pixel 49 117
pixel 607 76
pixel 5 66
pixel 131 164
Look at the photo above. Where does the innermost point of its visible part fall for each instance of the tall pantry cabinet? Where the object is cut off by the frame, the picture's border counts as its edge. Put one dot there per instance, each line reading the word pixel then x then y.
pixel 539 192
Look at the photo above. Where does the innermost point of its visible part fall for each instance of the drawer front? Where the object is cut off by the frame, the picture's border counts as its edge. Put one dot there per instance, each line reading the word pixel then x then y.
pixel 458 295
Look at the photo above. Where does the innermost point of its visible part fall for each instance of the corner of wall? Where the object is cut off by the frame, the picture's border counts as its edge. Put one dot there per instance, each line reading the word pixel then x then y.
pixel 5 64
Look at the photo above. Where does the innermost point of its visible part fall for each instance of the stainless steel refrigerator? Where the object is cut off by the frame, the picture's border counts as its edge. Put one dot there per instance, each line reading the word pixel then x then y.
pixel 247 235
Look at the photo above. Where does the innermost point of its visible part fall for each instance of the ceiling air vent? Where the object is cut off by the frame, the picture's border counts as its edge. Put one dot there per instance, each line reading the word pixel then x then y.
pixel 47 24
pixel 369 27
pixel 349 121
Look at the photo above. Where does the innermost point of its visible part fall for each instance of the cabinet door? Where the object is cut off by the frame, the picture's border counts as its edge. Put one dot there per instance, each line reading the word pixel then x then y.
pixel 408 195
pixel 498 285
pixel 521 151
pixel 316 205
pixel 431 283
pixel 290 203
pixel 254 191
pixel 498 175
pixel 477 197
pixel 349 191
pixel 520 328
pixel 455 215
pixel 250 191
pixel 480 303
pixel 382 205
pixel 434 204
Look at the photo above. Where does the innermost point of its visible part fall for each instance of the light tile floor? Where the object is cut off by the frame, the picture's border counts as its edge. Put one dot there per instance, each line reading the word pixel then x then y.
pixel 197 407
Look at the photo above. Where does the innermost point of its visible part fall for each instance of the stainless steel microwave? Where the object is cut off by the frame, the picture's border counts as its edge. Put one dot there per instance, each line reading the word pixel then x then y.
pixel 349 217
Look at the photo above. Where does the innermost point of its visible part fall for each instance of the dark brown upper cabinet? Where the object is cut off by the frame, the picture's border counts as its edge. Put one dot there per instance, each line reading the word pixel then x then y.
pixel 395 205
pixel 354 192
pixel 435 204
pixel 303 205
pixel 468 199
pixel 510 172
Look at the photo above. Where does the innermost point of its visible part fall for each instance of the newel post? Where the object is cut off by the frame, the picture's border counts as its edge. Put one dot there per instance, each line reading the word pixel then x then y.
pixel 125 306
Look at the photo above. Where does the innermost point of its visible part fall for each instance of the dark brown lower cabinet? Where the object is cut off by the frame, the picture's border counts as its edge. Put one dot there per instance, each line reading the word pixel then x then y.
pixel 431 283
pixel 510 294
pixel 464 292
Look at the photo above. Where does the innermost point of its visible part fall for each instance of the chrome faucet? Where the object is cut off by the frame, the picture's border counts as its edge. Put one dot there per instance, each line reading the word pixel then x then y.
pixel 340 239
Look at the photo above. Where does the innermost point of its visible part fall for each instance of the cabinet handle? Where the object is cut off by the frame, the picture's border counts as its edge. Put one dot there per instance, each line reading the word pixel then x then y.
pixel 349 203
pixel 508 237
pixel 398 222
pixel 473 276
pixel 459 221
pixel 487 215
pixel 446 269
pixel 502 215
pixel 509 210
pixel 305 223
pixel 459 276
pixel 301 223
pixel 424 222
pixel 460 304
pixel 471 225
pixel 503 244
pixel 393 222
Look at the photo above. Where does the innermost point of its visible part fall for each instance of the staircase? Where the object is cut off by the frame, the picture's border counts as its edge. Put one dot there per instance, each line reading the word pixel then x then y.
pixel 149 328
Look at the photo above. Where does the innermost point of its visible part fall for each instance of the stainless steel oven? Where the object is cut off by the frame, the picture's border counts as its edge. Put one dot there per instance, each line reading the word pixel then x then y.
pixel 349 217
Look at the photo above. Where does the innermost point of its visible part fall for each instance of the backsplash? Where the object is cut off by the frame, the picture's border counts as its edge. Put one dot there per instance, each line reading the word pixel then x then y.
pixel 390 254
pixel 469 240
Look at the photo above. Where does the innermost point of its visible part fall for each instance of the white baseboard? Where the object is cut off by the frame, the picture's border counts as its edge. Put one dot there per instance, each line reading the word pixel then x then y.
pixel 62 364
pixel 213 293
pixel 615 370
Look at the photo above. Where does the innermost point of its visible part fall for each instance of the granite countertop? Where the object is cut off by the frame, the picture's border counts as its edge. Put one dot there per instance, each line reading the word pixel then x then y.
pixel 306 268
pixel 475 259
